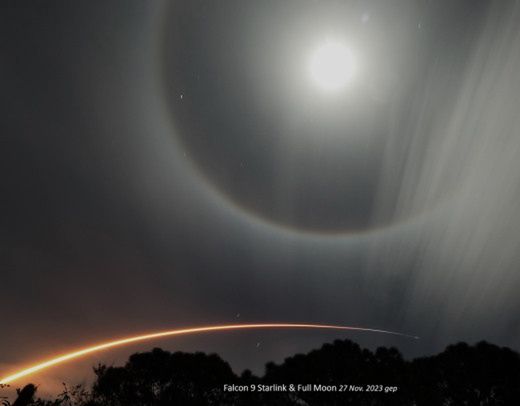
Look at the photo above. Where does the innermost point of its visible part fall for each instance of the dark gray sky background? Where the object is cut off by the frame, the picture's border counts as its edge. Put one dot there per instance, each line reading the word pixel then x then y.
pixel 171 164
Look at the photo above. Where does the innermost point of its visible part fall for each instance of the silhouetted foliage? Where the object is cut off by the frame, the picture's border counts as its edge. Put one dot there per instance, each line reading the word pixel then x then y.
pixel 25 395
pixel 483 374
pixel 161 378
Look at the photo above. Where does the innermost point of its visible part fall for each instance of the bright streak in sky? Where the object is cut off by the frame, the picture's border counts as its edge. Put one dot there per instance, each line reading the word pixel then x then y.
pixel 331 66
pixel 129 340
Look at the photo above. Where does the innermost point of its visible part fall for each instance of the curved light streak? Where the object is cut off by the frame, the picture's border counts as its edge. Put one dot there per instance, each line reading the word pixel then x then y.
pixel 206 329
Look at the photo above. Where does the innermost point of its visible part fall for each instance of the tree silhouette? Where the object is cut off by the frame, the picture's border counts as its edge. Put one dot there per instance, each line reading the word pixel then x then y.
pixel 25 395
pixel 483 374
pixel 161 378
pixel 342 363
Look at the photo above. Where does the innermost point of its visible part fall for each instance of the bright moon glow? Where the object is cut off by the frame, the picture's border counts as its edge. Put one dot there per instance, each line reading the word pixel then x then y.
pixel 331 66
pixel 129 340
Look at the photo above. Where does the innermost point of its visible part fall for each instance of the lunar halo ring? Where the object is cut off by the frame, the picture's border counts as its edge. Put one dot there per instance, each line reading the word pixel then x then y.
pixel 223 199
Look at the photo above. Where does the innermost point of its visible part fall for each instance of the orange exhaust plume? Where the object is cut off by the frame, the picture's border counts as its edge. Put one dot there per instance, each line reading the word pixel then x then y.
pixel 129 340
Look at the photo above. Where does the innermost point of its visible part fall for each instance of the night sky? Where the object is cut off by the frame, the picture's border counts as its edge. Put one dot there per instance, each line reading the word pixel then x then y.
pixel 171 164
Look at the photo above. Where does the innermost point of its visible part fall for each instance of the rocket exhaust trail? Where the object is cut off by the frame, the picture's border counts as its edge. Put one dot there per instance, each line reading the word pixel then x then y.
pixel 206 329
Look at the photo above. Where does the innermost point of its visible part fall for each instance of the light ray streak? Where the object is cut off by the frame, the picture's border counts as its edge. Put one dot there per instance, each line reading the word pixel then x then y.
pixel 195 330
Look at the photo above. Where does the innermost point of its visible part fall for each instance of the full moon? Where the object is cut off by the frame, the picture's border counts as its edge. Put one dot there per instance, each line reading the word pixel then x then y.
pixel 331 66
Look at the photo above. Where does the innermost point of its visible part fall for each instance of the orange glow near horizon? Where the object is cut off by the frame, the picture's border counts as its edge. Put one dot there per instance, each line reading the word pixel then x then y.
pixel 145 337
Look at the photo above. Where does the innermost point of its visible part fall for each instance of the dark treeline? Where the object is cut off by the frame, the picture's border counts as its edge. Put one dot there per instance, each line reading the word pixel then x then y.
pixel 483 374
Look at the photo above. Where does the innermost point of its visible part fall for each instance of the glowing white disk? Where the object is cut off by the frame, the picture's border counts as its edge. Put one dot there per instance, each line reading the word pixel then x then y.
pixel 331 66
